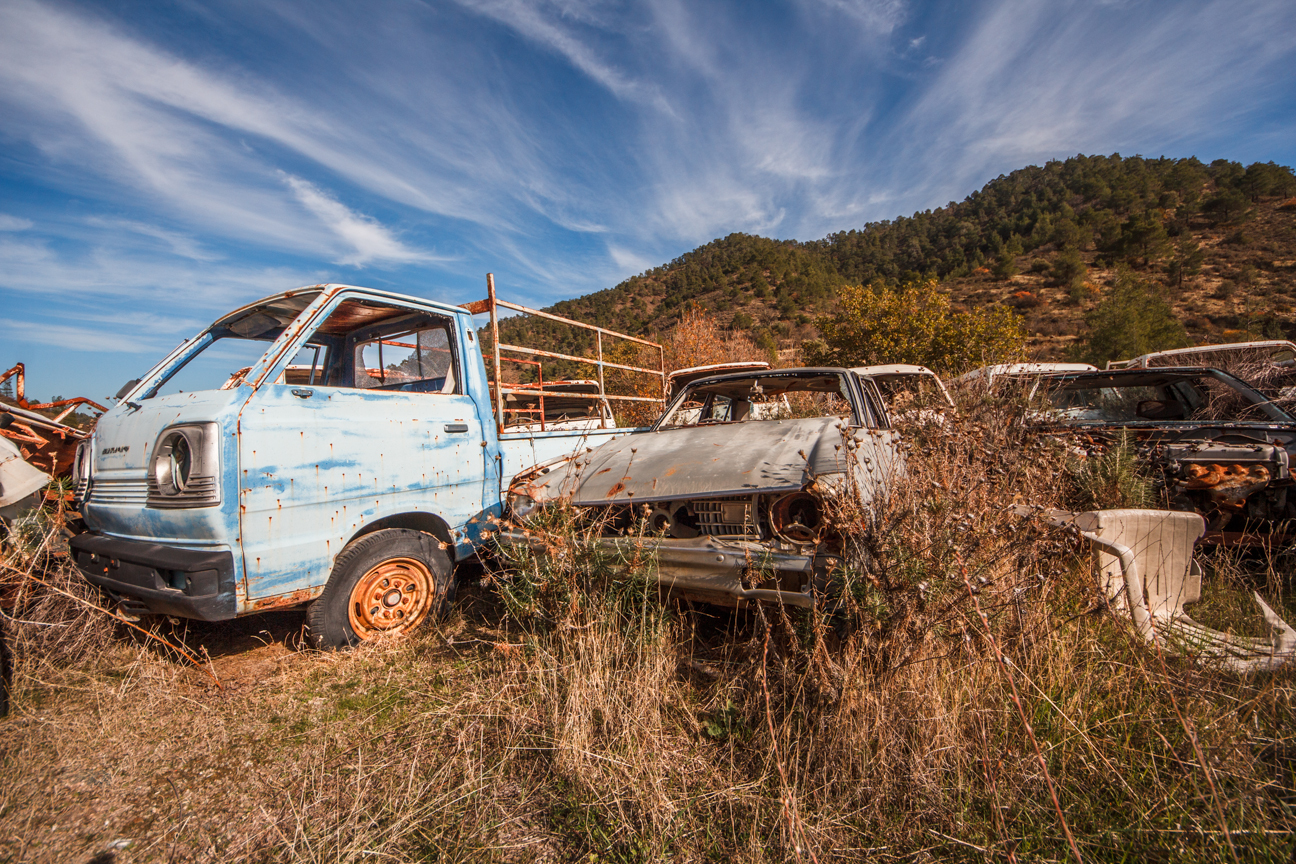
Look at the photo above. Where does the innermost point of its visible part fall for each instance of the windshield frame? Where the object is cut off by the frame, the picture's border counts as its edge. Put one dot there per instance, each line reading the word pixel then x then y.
pixel 223 328
pixel 861 414
pixel 1159 376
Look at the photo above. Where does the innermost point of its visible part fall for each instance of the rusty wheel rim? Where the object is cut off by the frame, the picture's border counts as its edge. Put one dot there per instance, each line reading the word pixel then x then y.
pixel 392 597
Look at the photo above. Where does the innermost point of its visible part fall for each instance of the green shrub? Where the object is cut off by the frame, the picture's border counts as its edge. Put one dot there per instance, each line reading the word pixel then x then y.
pixel 1133 319
pixel 914 324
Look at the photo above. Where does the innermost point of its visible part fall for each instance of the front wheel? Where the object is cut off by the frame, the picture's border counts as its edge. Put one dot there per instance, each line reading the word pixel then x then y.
pixel 383 584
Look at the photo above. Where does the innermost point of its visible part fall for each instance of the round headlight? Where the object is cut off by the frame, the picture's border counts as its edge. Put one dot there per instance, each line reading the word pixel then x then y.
pixel 173 464
pixel 521 505
pixel 797 517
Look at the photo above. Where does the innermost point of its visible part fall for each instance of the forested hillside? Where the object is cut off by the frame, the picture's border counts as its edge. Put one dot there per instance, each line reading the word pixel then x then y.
pixel 1220 239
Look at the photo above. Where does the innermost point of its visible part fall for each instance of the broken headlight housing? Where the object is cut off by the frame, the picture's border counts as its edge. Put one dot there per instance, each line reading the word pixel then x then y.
pixel 81 472
pixel 522 505
pixel 184 470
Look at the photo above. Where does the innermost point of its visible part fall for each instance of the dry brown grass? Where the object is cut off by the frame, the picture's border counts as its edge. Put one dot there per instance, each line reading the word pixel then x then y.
pixel 566 713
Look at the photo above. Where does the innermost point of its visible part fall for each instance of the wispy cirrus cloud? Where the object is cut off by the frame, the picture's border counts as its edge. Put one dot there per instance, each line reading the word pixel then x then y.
pixel 1028 83
pixel 879 16
pixel 562 144
pixel 551 24
pixel 369 240
pixel 183 245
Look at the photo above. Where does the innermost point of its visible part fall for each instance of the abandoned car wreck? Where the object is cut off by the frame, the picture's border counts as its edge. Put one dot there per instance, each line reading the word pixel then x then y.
pixel 730 489
pixel 1216 445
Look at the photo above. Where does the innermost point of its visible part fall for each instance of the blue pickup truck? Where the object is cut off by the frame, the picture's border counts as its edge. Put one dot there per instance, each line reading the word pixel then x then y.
pixel 332 447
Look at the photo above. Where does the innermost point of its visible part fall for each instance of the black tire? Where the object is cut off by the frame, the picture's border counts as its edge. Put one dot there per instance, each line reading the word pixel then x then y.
pixel 404 577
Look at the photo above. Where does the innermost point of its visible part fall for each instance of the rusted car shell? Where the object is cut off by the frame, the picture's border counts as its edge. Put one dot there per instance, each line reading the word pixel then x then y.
pixel 739 465
pixel 1225 465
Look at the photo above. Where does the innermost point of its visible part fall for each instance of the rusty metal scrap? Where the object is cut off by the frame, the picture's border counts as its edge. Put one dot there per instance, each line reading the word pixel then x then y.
pixel 46 442
pixel 1227 486
pixel 492 304
pixel 733 508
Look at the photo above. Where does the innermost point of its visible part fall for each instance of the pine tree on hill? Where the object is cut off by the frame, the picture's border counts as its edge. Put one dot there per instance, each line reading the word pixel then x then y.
pixel 1053 226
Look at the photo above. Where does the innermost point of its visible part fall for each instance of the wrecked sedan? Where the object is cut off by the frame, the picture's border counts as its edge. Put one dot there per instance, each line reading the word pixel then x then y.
pixel 1217 445
pixel 732 489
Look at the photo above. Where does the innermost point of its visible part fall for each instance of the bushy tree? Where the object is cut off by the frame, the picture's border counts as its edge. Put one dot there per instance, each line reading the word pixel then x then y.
pixel 1143 236
pixel 1069 271
pixel 1187 261
pixel 913 323
pixel 1133 319
pixel 1225 206
pixel 1265 178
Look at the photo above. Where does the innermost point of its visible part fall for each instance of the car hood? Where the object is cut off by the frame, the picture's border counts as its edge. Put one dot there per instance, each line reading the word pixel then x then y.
pixel 705 461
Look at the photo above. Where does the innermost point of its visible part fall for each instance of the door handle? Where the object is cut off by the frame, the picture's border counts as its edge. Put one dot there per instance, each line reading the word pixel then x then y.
pixel 456 427
pixel 302 394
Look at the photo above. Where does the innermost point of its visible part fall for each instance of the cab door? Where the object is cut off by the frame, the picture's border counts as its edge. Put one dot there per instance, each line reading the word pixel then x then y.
pixel 369 419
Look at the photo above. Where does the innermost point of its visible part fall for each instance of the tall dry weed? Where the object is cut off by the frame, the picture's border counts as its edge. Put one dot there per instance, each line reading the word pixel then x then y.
pixel 46 619
pixel 566 712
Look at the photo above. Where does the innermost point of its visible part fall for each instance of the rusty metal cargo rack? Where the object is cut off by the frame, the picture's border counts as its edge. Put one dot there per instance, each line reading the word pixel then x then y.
pixel 491 306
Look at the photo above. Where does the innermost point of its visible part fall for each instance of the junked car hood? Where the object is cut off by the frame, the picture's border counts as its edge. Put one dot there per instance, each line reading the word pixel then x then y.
pixel 702 461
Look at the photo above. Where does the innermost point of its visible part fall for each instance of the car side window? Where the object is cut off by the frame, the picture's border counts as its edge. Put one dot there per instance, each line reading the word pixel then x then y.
pixel 420 360
pixel 370 345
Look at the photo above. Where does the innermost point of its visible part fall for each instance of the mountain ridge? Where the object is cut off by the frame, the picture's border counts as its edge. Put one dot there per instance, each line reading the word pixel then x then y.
pixel 1220 239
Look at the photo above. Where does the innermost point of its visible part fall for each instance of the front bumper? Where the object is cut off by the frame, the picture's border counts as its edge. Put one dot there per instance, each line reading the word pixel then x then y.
pixel 187 583
pixel 708 569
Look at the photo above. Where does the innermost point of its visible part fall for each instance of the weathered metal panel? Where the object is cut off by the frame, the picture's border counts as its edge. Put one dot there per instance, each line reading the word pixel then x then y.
pixel 706 567
pixel 122 447
pixel 318 464
pixel 522 450
pixel 726 459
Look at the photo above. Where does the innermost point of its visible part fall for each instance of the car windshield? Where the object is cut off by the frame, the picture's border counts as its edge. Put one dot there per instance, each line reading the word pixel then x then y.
pixel 232 346
pixel 1157 398
pixel 776 396
pixel 909 390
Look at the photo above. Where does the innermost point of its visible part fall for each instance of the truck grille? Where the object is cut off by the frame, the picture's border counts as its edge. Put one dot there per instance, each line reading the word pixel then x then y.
pixel 732 516
pixel 112 490
pixel 201 492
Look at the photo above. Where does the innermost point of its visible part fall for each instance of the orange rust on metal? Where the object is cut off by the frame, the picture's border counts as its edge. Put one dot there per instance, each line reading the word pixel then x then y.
pixel 516 308
pixel 53 448
pixel 1214 475
pixel 296 598
pixel 351 314
pixel 594 396
pixel 19 383
pixel 554 355
pixel 538 387
pixel 1227 485
pixel 492 304
pixel 619 487
pixel 69 405
pixel 19 373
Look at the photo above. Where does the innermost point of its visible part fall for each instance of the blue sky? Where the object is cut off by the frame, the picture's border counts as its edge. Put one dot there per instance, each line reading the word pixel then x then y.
pixel 162 162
